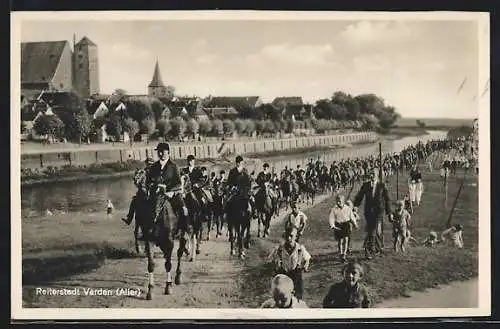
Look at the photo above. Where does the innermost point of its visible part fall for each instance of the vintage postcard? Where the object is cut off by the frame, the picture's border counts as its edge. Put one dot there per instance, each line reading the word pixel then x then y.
pixel 222 164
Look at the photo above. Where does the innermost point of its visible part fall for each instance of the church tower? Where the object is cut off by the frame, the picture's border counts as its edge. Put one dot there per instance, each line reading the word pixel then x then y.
pixel 85 68
pixel 156 88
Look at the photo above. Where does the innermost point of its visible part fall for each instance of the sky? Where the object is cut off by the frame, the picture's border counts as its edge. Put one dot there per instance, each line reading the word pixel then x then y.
pixel 416 66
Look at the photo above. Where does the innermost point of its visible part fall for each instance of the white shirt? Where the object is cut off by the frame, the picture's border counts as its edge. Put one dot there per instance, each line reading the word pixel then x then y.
pixel 298 257
pixel 340 215
pixel 163 163
pixel 299 221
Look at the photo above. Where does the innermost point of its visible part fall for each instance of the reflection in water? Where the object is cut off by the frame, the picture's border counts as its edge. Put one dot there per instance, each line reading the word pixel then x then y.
pixel 92 195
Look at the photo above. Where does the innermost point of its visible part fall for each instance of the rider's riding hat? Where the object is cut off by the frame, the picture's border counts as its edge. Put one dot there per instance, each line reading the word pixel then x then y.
pixel 266 165
pixel 239 159
pixel 190 157
pixel 162 147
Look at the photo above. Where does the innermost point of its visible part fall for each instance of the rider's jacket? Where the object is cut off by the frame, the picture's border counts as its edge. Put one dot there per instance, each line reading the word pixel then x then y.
pixel 263 178
pixel 195 175
pixel 233 177
pixel 167 176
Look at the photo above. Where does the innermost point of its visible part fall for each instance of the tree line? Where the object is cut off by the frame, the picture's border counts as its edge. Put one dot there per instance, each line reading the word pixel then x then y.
pixel 143 115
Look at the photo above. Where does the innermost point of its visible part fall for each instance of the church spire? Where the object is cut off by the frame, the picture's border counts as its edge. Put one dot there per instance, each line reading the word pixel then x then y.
pixel 156 81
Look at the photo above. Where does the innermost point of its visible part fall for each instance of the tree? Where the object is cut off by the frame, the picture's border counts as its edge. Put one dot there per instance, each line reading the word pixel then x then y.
pixel 260 126
pixel 269 126
pixel 114 126
pixel 164 128
pixel 370 121
pixel 249 126
pixel 139 108
pixel 271 112
pixel 217 127
pixel 170 92
pixel 228 127
pixel 147 126
pixel 157 107
pixel 131 127
pixel 239 125
pixel 178 127
pixel 49 125
pixel 388 117
pixel 83 124
pixel 120 92
pixel 192 127
pixel 205 127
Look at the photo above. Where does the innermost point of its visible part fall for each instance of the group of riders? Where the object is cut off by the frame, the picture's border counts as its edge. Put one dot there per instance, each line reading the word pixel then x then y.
pixel 194 187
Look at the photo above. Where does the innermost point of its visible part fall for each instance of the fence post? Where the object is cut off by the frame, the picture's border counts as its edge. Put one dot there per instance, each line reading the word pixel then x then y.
pixel 41 160
pixel 121 156
pixel 96 157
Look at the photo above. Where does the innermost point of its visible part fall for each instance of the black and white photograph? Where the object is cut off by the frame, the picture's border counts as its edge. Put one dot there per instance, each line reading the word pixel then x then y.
pixel 215 165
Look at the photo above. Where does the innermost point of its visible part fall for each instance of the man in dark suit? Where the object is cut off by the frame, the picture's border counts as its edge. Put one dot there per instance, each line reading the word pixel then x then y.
pixel 164 179
pixel 376 203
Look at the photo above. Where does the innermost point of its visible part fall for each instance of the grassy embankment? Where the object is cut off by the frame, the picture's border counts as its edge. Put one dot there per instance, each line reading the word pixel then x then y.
pixel 393 275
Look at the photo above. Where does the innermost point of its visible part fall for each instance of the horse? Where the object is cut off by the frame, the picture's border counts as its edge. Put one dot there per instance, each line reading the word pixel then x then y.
pixel 265 207
pixel 218 210
pixel 238 214
pixel 286 191
pixel 199 212
pixel 310 188
pixel 159 224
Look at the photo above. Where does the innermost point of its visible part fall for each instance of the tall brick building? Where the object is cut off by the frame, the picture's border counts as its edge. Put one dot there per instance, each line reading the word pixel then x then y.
pixel 54 66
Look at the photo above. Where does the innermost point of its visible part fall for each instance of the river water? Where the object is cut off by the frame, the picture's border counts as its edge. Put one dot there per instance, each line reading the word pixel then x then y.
pixel 91 196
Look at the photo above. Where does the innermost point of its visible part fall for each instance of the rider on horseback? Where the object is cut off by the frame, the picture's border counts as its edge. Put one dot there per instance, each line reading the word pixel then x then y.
pixel 163 179
pixel 264 180
pixel 234 178
pixel 199 181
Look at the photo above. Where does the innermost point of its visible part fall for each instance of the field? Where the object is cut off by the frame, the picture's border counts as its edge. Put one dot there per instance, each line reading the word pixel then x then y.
pixel 90 250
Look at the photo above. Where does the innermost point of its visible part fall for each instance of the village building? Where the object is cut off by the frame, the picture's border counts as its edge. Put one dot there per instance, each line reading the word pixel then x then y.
pixel 293 107
pixel 231 107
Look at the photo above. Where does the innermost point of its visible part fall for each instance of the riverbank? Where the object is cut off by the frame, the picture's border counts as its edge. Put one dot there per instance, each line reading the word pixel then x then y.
pixel 52 175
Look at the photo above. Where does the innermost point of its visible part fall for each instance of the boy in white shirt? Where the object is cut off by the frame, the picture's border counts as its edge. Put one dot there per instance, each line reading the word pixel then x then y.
pixel 341 220
pixel 297 219
pixel 291 258
pixel 282 289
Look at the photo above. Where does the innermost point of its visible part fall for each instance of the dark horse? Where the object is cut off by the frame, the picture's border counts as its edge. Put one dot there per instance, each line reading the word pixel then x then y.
pixel 265 207
pixel 289 191
pixel 239 216
pixel 159 224
pixel 309 188
pixel 199 212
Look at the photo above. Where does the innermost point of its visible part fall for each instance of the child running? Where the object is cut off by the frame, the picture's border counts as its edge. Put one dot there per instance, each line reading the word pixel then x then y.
pixel 350 293
pixel 340 220
pixel 291 258
pixel 109 208
pixel 400 226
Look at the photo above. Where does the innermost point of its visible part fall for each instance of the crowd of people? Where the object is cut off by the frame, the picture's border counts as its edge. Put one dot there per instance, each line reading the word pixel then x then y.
pixel 290 257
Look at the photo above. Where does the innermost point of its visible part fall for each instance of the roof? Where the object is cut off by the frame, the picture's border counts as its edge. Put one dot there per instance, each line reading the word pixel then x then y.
pixel 85 42
pixel 156 81
pixel 287 101
pixel 39 60
pixel 66 100
pixel 216 111
pixel 236 102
